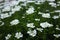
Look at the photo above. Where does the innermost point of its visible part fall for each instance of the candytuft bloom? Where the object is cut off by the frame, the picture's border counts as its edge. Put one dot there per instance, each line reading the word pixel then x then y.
pixel 31 25
pixel 18 35
pixel 30 10
pixel 8 36
pixel 45 24
pixel 14 22
pixel 46 15
pixel 32 33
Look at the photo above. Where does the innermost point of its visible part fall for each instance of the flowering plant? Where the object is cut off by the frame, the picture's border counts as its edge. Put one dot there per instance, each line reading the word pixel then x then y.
pixel 29 20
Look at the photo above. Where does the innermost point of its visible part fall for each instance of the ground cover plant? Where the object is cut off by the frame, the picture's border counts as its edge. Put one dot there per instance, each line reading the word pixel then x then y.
pixel 30 20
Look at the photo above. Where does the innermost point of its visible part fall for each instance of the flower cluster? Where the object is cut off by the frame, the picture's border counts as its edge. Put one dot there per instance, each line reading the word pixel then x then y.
pixel 29 19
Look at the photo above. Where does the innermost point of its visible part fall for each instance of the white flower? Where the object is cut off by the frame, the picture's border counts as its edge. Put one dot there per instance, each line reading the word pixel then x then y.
pixel 4 15
pixel 32 33
pixel 30 1
pixel 13 3
pixel 8 36
pixel 31 25
pixel 52 4
pixel 55 17
pixel 7 8
pixel 30 10
pixel 14 22
pixel 57 28
pixel 24 4
pixel 37 19
pixel 56 35
pixel 51 0
pixel 45 24
pixel 18 35
pixel 47 15
pixel 22 0
pixel 23 16
pixel 42 0
pixel 40 13
pixel 40 29
pixel 16 8
pixel 2 23
pixel 57 11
